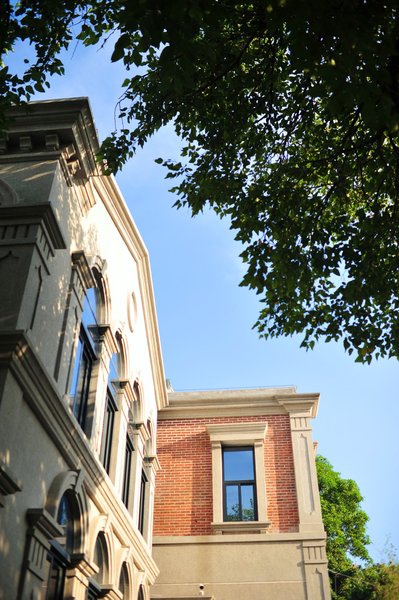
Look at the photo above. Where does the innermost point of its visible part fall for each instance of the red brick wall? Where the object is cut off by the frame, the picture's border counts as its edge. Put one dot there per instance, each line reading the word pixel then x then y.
pixel 183 499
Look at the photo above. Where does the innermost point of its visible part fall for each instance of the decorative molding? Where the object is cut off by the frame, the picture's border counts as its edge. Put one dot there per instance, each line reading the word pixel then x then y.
pixel 314 553
pixel 81 263
pixel 276 538
pixel 245 402
pixel 62 129
pixel 153 462
pixel 104 339
pixel 8 195
pixel 9 483
pixel 240 527
pixel 237 433
pixel 26 222
pixel 42 529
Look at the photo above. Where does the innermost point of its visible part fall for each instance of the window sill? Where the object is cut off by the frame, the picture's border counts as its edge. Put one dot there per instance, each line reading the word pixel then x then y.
pixel 240 527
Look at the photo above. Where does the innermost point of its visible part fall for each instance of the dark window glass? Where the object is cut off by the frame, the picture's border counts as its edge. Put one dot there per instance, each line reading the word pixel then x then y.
pixel 108 428
pixel 56 578
pixel 142 502
pixel 123 585
pixel 81 379
pixel 239 484
pixel 141 594
pixel 81 374
pixel 100 558
pixel 94 592
pixel 126 471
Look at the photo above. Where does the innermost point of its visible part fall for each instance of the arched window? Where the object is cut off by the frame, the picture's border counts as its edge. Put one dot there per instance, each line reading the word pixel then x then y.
pixel 123 585
pixel 60 552
pixel 84 358
pixel 140 594
pixel 100 558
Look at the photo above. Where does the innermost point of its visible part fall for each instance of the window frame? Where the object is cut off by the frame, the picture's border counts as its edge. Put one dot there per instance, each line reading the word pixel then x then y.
pixel 83 362
pixel 142 502
pixel 239 483
pixel 127 471
pixel 108 430
pixel 244 434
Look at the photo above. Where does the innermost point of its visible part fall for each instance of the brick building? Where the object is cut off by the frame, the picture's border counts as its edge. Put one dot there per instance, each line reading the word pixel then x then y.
pixel 237 507
pixel 86 421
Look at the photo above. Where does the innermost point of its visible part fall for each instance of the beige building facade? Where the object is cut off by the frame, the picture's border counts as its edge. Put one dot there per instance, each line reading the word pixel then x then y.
pixel 81 375
pixel 91 443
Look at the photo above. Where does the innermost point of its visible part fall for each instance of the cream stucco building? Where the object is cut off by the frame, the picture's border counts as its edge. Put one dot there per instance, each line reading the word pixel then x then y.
pixel 83 401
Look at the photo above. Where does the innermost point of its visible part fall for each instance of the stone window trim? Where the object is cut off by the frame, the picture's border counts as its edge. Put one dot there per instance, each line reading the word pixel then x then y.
pixel 238 434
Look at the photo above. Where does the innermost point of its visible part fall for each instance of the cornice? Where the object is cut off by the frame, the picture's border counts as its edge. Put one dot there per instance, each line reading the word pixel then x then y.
pixel 245 402
pixel 53 129
pixel 31 214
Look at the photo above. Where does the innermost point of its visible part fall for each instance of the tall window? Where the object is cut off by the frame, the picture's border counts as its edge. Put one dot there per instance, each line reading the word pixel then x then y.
pixel 109 415
pixel 85 356
pixel 126 471
pixel 239 484
pixel 142 501
pixel 108 428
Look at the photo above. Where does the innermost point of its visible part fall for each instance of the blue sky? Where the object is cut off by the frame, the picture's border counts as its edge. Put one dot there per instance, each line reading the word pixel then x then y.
pixel 205 319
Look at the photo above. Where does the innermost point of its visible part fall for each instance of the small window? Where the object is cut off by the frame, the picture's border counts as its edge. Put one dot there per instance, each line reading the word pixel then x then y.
pixel 143 486
pixel 239 484
pixel 126 471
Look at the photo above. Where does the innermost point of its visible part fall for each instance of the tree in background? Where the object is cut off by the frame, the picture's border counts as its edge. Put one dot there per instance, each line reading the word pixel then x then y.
pixel 289 115
pixel 373 582
pixel 347 540
pixel 345 523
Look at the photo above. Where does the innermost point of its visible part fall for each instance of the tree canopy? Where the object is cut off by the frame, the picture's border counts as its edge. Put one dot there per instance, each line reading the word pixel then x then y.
pixel 289 115
pixel 344 520
pixel 346 526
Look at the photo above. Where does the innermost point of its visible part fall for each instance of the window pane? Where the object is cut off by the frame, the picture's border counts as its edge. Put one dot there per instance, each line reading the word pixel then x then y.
pixel 238 464
pixel 232 503
pixel 89 308
pixel 142 502
pixel 108 427
pixel 55 584
pixel 126 471
pixel 247 503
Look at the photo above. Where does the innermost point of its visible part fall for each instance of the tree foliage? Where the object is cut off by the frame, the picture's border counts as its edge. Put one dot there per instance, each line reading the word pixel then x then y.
pixel 373 582
pixel 347 540
pixel 289 114
pixel 344 520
